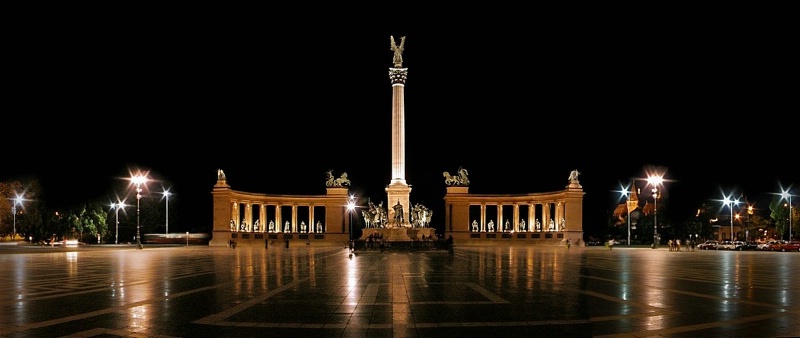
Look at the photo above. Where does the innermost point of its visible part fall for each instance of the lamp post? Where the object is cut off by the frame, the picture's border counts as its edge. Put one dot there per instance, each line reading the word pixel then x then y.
pixel 631 202
pixel 629 225
pixel 17 200
pixel 351 206
pixel 655 216
pixel 786 195
pixel 166 197
pixel 655 181
pixel 729 202
pixel 116 206
pixel 749 212
pixel 138 180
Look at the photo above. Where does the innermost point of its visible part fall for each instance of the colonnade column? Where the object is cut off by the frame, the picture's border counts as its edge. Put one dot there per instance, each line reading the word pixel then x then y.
pixel 294 226
pixel 483 218
pixel 531 214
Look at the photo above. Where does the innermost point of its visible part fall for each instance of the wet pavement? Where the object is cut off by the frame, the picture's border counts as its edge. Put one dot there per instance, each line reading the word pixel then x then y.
pixel 200 291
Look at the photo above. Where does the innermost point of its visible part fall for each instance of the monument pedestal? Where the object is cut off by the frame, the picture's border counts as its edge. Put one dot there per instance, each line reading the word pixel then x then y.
pixel 399 234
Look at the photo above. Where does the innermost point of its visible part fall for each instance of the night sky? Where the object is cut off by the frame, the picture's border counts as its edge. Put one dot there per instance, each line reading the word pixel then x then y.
pixel 707 102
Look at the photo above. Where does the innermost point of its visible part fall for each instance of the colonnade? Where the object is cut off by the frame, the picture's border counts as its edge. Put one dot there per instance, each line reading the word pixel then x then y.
pixel 551 218
pixel 250 213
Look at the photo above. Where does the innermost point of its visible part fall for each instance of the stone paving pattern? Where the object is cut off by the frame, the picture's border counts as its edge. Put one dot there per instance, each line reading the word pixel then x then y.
pixel 308 291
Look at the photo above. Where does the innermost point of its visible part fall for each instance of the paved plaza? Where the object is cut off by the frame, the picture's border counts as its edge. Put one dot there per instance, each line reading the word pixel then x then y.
pixel 308 291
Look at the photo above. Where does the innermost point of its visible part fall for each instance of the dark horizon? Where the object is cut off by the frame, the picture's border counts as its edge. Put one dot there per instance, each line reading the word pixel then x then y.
pixel 518 107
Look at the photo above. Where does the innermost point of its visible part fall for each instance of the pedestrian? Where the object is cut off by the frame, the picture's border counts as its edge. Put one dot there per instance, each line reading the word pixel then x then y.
pixel 569 242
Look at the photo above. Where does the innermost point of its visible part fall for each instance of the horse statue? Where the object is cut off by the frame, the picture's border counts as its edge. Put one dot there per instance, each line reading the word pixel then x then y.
pixel 420 216
pixel 375 216
pixel 426 220
pixel 368 218
pixel 460 179
pixel 450 179
pixel 341 181
pixel 331 181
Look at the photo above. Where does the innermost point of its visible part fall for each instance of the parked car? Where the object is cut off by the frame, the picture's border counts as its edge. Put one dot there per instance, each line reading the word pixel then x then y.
pixel 777 245
pixel 730 245
pixel 708 245
pixel 726 245
pixel 748 246
pixel 789 246
pixel 765 246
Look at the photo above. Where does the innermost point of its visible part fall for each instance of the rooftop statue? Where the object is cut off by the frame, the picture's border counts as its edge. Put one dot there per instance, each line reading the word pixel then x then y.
pixel 460 179
pixel 331 181
pixel 573 175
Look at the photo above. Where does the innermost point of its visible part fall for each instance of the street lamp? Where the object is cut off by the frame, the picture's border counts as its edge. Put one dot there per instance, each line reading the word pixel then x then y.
pixel 117 206
pixel 138 180
pixel 729 202
pixel 166 197
pixel 655 181
pixel 749 212
pixel 351 206
pixel 786 195
pixel 655 215
pixel 630 204
pixel 17 200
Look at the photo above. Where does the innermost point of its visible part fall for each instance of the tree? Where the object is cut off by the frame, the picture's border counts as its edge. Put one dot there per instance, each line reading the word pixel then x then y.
pixel 8 191
pixel 705 214
pixel 779 213
pixel 29 214
pixel 758 222
pixel 88 219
